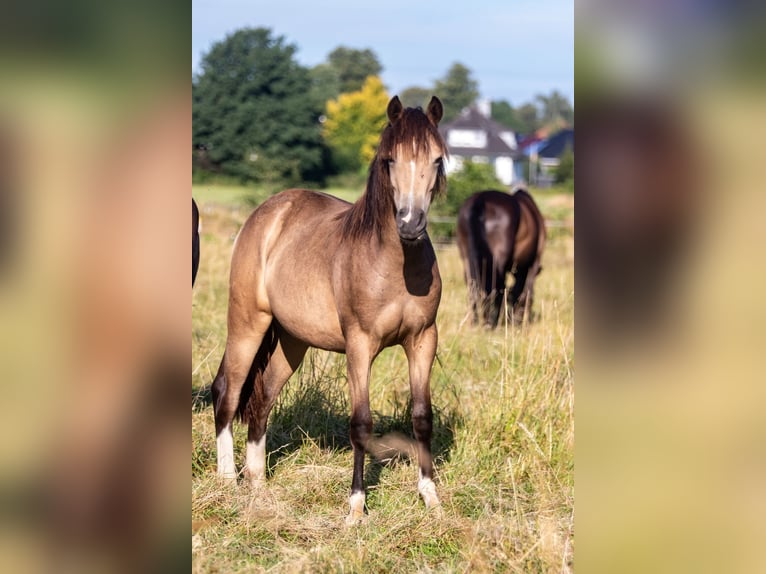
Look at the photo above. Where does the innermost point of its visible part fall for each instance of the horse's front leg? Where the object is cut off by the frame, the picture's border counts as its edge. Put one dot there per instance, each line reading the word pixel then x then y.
pixel 421 350
pixel 359 358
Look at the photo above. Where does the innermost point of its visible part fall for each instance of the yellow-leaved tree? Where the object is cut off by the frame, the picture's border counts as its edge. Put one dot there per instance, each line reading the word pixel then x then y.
pixel 353 124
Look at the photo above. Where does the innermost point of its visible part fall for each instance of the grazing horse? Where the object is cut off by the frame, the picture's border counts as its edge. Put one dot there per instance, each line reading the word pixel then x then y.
pixel 195 241
pixel 311 270
pixel 500 233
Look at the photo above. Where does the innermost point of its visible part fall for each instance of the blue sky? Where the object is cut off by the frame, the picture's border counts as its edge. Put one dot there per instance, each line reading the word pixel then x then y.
pixel 515 48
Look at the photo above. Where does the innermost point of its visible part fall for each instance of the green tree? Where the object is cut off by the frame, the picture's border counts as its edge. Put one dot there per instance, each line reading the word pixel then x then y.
pixel 528 118
pixel 456 90
pixel 415 96
pixel 564 173
pixel 472 177
pixel 554 108
pixel 353 125
pixel 353 67
pixel 325 83
pixel 251 112
pixel 503 113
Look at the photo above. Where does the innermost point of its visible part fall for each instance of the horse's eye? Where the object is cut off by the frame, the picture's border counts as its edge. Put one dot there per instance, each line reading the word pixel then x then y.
pixel 438 161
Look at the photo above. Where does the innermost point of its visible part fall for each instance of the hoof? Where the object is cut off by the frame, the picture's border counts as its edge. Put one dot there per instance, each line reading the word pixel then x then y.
pixel 227 478
pixel 256 483
pixel 356 514
pixel 354 518
pixel 436 511
pixel 427 490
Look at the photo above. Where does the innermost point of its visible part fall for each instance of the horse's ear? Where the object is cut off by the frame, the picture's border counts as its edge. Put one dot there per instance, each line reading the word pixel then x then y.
pixel 394 110
pixel 435 110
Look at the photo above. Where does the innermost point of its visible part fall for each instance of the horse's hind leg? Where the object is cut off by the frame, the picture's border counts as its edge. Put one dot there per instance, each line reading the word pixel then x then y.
pixel 421 350
pixel 519 299
pixel 496 297
pixel 471 282
pixel 241 346
pixel 475 298
pixel 487 293
pixel 286 357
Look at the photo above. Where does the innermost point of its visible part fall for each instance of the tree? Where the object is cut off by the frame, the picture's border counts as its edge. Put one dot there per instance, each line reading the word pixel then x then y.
pixel 564 173
pixel 353 124
pixel 415 96
pixel 528 118
pixel 554 108
pixel 325 83
pixel 251 112
pixel 456 90
pixel 503 113
pixel 471 178
pixel 353 67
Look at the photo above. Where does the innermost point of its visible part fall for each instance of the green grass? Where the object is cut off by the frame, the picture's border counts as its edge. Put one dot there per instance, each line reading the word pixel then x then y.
pixel 229 195
pixel 503 440
pixel 232 195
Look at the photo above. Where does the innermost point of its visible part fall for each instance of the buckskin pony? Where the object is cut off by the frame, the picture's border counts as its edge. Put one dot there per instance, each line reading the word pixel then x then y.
pixel 311 270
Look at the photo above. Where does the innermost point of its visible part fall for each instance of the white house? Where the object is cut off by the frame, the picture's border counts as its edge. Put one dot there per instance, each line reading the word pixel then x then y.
pixel 474 136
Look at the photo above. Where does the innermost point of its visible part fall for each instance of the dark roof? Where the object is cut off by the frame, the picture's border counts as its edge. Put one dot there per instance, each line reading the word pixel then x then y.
pixel 473 119
pixel 555 145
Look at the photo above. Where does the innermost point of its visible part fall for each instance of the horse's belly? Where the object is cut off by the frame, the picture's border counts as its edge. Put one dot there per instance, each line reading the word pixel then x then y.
pixel 311 321
pixel 317 335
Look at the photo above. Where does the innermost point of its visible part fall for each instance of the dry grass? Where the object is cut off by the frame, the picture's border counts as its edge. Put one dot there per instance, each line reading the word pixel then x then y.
pixel 503 441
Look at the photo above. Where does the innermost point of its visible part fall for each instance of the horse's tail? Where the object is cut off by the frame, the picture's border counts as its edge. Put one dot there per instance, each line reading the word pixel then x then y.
pixel 249 397
pixel 477 243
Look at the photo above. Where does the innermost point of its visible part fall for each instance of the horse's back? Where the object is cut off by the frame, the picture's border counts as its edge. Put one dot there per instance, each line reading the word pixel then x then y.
pixel 298 212
pixel 488 221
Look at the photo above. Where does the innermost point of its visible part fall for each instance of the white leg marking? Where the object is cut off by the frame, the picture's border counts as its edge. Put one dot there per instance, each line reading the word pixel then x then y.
pixel 427 490
pixel 225 447
pixel 256 460
pixel 356 502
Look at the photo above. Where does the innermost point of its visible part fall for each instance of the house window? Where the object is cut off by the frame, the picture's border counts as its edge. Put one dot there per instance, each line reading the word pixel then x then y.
pixel 467 138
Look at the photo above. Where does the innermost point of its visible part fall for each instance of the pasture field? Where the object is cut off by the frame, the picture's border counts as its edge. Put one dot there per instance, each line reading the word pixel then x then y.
pixel 503 437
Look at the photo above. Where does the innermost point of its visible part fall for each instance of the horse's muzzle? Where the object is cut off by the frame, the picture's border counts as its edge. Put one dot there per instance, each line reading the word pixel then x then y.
pixel 411 224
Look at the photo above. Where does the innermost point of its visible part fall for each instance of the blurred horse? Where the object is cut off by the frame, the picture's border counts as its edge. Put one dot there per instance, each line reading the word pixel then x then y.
pixel 500 233
pixel 309 269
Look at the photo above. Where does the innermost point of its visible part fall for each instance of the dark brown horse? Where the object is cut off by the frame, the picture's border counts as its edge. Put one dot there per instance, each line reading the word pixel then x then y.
pixel 500 233
pixel 195 241
pixel 309 269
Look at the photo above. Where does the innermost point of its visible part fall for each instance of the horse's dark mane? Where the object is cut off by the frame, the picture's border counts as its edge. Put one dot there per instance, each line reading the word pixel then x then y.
pixel 367 215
